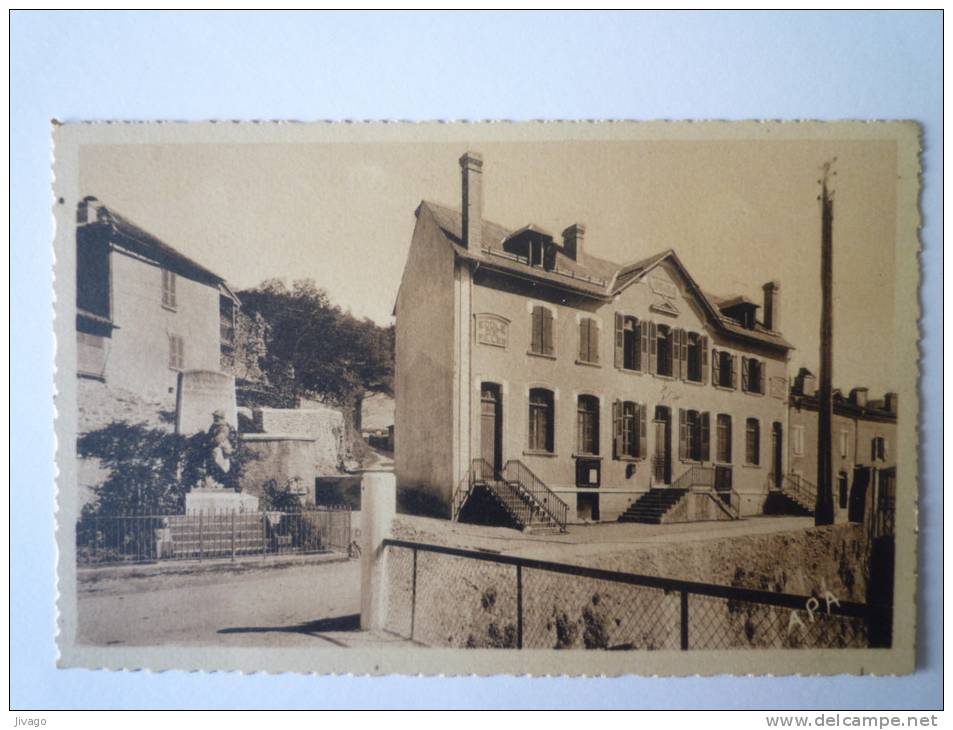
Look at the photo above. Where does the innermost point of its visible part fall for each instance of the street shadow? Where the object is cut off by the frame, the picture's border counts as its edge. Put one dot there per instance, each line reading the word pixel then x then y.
pixel 316 629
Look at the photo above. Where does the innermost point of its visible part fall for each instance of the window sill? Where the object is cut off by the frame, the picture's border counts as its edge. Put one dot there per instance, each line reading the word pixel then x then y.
pixel 629 459
pixel 588 364
pixel 588 457
pixel 630 371
pixel 753 392
pixel 726 388
pixel 693 382
pixel 170 308
pixel 540 354
pixel 751 466
pixel 544 454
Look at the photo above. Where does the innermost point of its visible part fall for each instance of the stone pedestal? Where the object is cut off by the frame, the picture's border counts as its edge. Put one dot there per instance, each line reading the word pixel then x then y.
pixel 219 500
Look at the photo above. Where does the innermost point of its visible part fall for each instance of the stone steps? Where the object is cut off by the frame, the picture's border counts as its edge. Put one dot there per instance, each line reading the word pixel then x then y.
pixel 652 506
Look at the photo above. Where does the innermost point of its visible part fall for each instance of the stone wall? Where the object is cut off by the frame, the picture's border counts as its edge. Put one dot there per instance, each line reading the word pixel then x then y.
pixel 562 611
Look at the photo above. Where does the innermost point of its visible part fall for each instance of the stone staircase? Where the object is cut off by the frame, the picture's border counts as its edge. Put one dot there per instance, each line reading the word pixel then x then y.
pixel 513 496
pixel 793 496
pixel 212 535
pixel 652 506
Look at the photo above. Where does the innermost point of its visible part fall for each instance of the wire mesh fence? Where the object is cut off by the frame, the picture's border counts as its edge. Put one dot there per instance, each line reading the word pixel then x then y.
pixel 104 539
pixel 442 596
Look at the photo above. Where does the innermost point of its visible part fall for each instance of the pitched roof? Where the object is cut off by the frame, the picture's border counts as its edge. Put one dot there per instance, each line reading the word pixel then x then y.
pixel 593 276
pixel 154 247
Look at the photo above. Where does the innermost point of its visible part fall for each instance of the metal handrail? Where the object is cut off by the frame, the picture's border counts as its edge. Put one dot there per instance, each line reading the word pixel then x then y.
pixel 695 476
pixel 799 489
pixel 541 495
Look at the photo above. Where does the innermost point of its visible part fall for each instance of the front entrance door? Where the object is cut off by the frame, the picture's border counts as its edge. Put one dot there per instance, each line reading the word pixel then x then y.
pixel 776 454
pixel 662 461
pixel 491 425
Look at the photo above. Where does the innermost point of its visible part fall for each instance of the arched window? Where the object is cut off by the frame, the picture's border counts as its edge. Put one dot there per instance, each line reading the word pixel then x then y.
pixel 752 442
pixel 723 452
pixel 541 420
pixel 587 424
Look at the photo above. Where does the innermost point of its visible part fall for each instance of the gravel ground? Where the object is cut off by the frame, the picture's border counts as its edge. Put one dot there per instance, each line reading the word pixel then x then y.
pixel 308 604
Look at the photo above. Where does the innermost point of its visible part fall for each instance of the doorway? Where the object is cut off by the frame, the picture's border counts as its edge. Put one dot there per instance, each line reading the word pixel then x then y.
pixel 662 461
pixel 491 425
pixel 777 444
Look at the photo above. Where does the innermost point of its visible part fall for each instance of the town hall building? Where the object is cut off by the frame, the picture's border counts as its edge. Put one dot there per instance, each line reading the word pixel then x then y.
pixel 536 382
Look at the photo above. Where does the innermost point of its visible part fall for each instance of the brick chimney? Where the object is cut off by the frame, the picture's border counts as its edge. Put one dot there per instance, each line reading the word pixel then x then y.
pixel 890 403
pixel 471 165
pixel 858 396
pixel 87 212
pixel 804 382
pixel 771 312
pixel 573 238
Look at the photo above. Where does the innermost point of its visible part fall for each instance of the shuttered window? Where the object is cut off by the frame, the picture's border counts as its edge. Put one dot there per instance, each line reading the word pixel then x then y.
pixel 176 352
pixel 588 340
pixel 628 349
pixel 168 289
pixel 723 369
pixel 542 331
pixel 666 349
pixel 752 375
pixel 629 430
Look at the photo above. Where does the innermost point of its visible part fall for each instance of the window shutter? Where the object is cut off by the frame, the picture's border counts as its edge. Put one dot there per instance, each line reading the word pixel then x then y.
pixel 761 377
pixel 745 374
pixel 734 371
pixel 653 347
pixel 704 348
pixel 619 340
pixel 873 449
pixel 676 352
pixel 547 332
pixel 643 346
pixel 883 455
pixel 683 361
pixel 616 429
pixel 643 431
pixel 593 341
pixel 715 367
pixel 537 326
pixel 682 433
pixel 584 340
pixel 705 436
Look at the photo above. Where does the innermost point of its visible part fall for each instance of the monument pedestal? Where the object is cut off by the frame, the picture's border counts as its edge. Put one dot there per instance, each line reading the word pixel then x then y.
pixel 219 500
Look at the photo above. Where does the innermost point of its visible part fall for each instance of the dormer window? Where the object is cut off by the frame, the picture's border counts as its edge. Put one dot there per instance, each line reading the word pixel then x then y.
pixel 536 253
pixel 742 310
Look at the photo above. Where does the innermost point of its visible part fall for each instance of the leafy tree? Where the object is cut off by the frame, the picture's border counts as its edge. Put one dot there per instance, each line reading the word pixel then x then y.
pixel 150 469
pixel 316 348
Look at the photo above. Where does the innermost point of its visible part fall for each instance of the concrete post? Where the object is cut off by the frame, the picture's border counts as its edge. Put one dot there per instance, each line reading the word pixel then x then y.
pixel 378 507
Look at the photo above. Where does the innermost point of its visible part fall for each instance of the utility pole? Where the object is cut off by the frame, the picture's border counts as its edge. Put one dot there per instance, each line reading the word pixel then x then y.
pixel 824 506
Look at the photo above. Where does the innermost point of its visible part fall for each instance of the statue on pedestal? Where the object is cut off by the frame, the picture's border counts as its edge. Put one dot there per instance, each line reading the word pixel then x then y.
pixel 218 463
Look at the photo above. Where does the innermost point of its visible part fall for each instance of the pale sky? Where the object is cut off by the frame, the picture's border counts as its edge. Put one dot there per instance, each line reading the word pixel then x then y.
pixel 738 213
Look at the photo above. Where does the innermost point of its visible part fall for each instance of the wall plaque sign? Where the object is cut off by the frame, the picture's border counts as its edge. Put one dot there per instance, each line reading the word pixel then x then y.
pixel 492 329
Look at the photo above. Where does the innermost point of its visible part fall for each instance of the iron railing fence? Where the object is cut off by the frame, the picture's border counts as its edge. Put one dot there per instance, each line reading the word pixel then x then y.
pixel 515 471
pixel 104 539
pixel 799 489
pixel 444 596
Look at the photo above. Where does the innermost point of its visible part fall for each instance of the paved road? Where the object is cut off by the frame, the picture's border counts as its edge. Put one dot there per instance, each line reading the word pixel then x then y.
pixel 314 604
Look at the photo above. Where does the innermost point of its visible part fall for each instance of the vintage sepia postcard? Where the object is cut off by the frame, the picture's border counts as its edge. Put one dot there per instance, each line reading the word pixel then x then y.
pixel 582 398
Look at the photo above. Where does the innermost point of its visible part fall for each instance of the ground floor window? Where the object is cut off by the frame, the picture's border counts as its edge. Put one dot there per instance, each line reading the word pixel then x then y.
pixel 723 452
pixel 587 424
pixel 541 421
pixel 752 442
